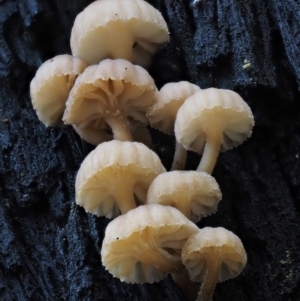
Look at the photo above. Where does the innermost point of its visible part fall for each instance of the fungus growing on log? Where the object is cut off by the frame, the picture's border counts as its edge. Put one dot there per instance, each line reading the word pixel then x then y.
pixel 195 194
pixel 50 88
pixel 213 255
pixel 162 114
pixel 144 245
pixel 212 120
pixel 116 176
pixel 129 29
pixel 105 95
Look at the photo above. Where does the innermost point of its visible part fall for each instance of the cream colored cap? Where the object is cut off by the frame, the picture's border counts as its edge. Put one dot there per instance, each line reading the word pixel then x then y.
pixel 206 245
pixel 49 89
pixel 112 90
pixel 144 245
pixel 127 29
pixel 170 98
pixel 116 176
pixel 195 194
pixel 212 110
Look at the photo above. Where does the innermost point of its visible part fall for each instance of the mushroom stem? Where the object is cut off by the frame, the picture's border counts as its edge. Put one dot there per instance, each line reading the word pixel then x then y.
pixel 179 157
pixel 211 152
pixel 211 277
pixel 120 43
pixel 124 197
pixel 120 128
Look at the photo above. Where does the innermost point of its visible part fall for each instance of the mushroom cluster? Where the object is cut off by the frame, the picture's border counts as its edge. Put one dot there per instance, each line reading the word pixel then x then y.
pixel 108 97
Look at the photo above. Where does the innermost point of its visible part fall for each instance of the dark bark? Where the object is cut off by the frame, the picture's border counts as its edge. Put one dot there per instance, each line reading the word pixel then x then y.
pixel 49 247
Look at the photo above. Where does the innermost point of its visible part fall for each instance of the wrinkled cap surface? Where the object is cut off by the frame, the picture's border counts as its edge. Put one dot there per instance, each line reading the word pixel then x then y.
pixel 214 108
pixel 127 29
pixel 112 88
pixel 170 98
pixel 195 194
pixel 112 171
pixel 144 245
pixel 50 88
pixel 207 241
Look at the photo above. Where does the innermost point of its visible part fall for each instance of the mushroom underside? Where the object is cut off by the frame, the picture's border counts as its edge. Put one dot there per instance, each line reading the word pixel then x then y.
pixel 104 192
pixel 148 255
pixel 197 265
pixel 131 39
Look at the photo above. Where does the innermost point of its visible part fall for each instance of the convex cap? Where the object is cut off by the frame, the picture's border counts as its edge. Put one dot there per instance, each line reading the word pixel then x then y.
pixel 213 255
pixel 114 176
pixel 105 95
pixel 144 245
pixel 171 96
pixel 195 194
pixel 219 119
pixel 129 29
pixel 162 114
pixel 50 88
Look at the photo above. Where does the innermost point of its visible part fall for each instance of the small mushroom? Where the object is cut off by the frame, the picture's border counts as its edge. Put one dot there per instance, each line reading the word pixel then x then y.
pixel 195 194
pixel 49 89
pixel 144 245
pixel 163 113
pixel 219 119
pixel 213 255
pixel 105 95
pixel 129 29
pixel 115 177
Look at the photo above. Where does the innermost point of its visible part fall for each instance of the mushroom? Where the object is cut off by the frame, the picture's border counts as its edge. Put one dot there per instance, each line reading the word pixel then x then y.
pixel 115 177
pixel 49 89
pixel 105 95
pixel 163 113
pixel 129 29
pixel 195 194
pixel 218 118
pixel 213 255
pixel 144 245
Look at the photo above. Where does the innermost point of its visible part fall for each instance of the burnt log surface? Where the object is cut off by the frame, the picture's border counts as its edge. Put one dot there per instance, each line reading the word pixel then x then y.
pixel 49 247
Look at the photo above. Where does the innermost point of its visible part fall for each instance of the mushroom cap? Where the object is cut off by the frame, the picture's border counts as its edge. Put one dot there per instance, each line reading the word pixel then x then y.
pixel 213 108
pixel 113 28
pixel 112 88
pixel 49 89
pixel 115 168
pixel 209 240
pixel 195 194
pixel 170 98
pixel 144 245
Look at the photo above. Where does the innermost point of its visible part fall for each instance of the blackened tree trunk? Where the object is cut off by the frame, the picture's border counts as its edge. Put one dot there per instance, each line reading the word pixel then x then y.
pixel 49 247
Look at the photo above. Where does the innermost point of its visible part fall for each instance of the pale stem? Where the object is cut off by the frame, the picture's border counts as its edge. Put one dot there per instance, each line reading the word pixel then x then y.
pixel 123 194
pixel 120 127
pixel 124 52
pixel 211 152
pixel 179 157
pixel 120 43
pixel 211 277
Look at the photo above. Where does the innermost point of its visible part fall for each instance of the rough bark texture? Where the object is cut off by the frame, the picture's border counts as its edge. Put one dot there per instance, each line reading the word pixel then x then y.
pixel 49 247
